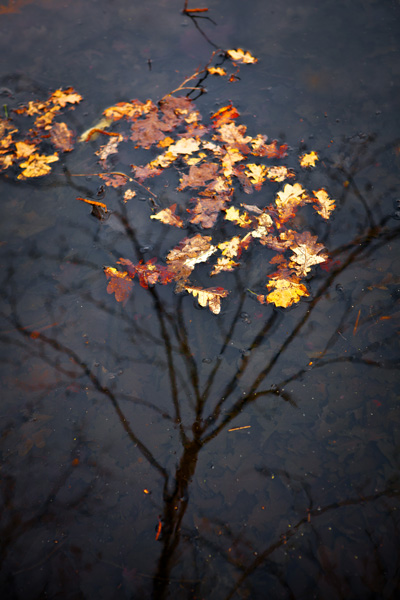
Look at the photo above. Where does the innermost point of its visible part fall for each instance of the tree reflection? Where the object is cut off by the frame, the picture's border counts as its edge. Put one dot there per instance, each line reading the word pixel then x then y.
pixel 211 412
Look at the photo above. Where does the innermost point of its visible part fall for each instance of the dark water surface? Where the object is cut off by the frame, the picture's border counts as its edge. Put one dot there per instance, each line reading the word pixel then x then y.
pixel 115 419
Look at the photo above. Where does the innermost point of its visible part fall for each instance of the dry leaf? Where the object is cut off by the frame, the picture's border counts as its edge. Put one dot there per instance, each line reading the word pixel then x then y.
pixel 216 71
pixel 210 296
pixel 325 205
pixel 168 216
pixel 240 56
pixel 308 160
pixel 119 284
pixel 207 209
pixel 288 290
pixel 37 165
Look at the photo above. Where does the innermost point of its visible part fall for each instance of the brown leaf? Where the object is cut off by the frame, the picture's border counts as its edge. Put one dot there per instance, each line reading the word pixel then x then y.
pixel 114 180
pixel 289 199
pixel 260 148
pixel 206 210
pixel 198 176
pixel 119 284
pixel 62 137
pixel 306 253
pixel 190 251
pixel 150 130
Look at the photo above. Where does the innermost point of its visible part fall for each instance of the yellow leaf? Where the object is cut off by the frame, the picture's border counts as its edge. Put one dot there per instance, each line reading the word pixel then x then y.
pixel 233 214
pixel 278 173
pixel 325 205
pixel 240 56
pixel 256 174
pixel 224 264
pixel 37 165
pixel 309 160
pixel 287 291
pixel 216 71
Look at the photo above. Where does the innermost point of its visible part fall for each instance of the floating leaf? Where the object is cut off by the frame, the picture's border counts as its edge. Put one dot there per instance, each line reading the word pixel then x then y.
pixel 168 217
pixel 325 205
pixel 309 160
pixel 240 56
pixel 207 209
pixel 216 71
pixel 210 296
pixel 37 165
pixel 288 290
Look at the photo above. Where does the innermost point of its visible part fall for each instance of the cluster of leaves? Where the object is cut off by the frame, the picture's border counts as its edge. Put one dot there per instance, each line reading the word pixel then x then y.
pixel 29 149
pixel 213 161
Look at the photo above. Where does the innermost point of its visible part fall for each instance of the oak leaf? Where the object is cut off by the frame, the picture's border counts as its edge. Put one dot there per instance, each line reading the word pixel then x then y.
pixel 120 284
pixel 233 134
pixel 289 199
pixel 64 97
pixel 129 194
pixel 207 209
pixel 114 180
pixel 288 290
pixel 279 173
pixel 233 214
pixel 272 150
pixel 198 176
pixel 325 205
pixel 210 296
pixel 24 149
pixel 149 130
pixel 306 254
pixel 242 57
pixel 256 174
pixel 129 110
pixel 223 264
pixel 189 252
pixel 110 148
pixel 168 216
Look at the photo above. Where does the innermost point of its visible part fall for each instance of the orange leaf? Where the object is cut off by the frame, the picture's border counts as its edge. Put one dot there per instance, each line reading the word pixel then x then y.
pixel 226 114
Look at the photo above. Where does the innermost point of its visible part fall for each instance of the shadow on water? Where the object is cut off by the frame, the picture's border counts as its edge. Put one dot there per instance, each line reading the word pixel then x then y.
pixel 156 451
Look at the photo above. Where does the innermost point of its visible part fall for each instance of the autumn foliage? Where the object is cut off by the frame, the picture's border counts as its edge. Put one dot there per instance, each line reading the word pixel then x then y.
pixel 215 160
pixel 26 148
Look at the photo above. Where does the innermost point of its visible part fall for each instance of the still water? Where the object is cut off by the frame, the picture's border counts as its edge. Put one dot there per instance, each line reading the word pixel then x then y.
pixel 153 449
